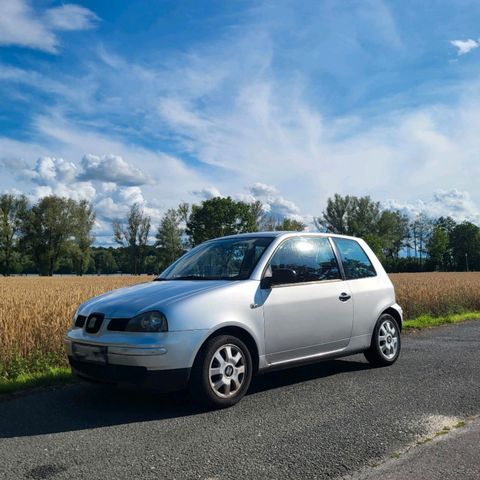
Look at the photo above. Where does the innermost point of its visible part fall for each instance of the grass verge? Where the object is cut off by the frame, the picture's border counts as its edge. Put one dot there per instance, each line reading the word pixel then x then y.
pixel 427 321
pixel 25 381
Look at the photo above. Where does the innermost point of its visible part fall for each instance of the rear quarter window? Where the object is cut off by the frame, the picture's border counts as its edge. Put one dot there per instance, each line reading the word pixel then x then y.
pixel 355 261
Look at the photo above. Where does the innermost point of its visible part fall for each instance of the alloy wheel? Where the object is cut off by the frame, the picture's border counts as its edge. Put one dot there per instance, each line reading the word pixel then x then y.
pixel 227 370
pixel 388 339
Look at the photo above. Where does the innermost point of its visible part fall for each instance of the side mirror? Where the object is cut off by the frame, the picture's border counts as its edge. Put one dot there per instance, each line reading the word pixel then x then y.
pixel 278 276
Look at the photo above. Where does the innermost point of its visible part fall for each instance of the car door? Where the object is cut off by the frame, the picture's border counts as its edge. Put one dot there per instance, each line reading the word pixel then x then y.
pixel 314 314
pixel 369 290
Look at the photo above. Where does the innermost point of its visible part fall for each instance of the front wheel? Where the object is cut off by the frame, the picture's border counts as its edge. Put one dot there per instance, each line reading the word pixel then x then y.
pixel 222 372
pixel 386 342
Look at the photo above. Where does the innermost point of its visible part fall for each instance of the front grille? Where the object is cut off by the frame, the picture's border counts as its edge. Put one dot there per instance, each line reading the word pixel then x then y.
pixel 94 322
pixel 80 321
pixel 117 324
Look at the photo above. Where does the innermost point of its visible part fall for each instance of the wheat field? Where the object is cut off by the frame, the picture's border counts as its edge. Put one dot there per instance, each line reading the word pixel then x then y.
pixel 35 312
pixel 437 293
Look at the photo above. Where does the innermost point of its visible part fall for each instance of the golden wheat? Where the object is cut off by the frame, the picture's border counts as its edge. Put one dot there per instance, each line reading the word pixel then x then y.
pixel 437 293
pixel 35 312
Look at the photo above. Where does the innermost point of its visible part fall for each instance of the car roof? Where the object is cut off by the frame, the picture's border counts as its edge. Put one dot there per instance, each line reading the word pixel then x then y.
pixel 276 234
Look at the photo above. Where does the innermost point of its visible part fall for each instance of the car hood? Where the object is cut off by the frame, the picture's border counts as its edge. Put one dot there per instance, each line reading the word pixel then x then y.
pixel 130 301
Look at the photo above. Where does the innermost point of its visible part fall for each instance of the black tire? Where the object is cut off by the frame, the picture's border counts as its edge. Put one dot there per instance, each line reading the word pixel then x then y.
pixel 379 354
pixel 201 388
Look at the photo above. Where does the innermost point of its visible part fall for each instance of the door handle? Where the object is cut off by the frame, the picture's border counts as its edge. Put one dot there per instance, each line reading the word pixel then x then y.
pixel 344 297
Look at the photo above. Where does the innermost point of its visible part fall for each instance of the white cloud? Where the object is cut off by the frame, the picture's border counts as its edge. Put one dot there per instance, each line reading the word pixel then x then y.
pixel 177 112
pixel 70 17
pixel 111 168
pixel 23 26
pixel 465 46
pixel 50 170
pixel 273 203
pixel 76 191
pixel 261 189
pixel 207 193
pixel 453 203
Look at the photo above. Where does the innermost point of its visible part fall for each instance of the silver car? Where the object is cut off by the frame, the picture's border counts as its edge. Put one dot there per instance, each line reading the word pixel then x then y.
pixel 237 306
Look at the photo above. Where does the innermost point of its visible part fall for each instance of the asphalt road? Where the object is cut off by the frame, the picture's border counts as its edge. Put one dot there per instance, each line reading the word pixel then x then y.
pixel 324 421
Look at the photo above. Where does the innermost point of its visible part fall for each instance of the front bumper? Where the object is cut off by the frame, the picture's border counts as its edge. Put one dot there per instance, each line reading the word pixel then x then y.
pixel 161 380
pixel 162 361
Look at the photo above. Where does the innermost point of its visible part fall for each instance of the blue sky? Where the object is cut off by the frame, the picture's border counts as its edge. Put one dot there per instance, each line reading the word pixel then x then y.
pixel 287 102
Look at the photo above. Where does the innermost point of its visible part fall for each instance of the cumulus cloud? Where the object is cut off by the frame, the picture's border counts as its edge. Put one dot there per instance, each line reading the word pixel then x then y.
pixel 116 203
pixel 465 46
pixel 261 190
pixel 273 203
pixel 207 193
pixel 51 170
pixel 453 203
pixel 111 168
pixel 22 25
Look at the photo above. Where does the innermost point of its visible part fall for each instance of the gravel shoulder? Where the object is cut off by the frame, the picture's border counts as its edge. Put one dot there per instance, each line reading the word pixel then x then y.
pixel 452 455
pixel 328 420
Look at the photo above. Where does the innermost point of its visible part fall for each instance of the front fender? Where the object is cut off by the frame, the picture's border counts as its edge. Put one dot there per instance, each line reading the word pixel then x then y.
pixel 256 336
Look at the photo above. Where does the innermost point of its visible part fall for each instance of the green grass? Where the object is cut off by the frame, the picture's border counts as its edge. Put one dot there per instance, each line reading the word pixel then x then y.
pixel 25 381
pixel 427 321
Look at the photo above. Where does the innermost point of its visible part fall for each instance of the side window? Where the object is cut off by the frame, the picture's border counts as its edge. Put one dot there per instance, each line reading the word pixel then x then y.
pixel 354 260
pixel 312 258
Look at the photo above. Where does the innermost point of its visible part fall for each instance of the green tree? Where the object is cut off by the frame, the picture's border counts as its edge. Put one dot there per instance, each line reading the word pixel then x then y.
pixel 290 225
pixel 437 248
pixel 134 236
pixel 270 224
pixel 105 262
pixel 349 215
pixel 12 213
pixel 151 264
pixel 421 229
pixel 447 224
pixel 84 219
pixel 47 231
pixel 363 216
pixel 169 237
pixel 219 216
pixel 336 216
pixel 384 230
pixel 392 229
pixel 259 214
pixel 465 242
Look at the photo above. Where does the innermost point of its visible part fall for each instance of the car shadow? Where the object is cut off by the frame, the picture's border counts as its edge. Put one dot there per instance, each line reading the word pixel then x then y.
pixel 305 373
pixel 82 406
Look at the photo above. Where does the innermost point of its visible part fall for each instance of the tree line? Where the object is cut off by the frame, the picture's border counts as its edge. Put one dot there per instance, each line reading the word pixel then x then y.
pixel 404 244
pixel 54 235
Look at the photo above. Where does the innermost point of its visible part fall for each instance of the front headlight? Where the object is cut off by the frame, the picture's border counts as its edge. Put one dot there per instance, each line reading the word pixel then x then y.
pixel 74 318
pixel 148 322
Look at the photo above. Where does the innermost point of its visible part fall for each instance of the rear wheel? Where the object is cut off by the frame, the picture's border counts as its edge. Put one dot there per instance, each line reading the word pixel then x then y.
pixel 386 342
pixel 222 372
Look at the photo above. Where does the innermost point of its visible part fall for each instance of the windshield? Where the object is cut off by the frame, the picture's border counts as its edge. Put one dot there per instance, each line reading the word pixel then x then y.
pixel 223 259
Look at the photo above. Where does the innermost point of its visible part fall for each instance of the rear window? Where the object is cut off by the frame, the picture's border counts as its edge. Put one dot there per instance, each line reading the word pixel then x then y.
pixel 355 261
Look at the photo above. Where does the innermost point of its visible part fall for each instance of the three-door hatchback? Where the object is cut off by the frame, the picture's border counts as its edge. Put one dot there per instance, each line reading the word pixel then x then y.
pixel 236 306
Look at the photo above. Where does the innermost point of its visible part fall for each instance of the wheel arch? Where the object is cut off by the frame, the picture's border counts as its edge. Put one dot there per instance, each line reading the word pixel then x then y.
pixel 242 334
pixel 395 314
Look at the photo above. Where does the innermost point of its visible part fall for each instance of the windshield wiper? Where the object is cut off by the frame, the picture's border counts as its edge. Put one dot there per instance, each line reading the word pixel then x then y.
pixel 190 277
